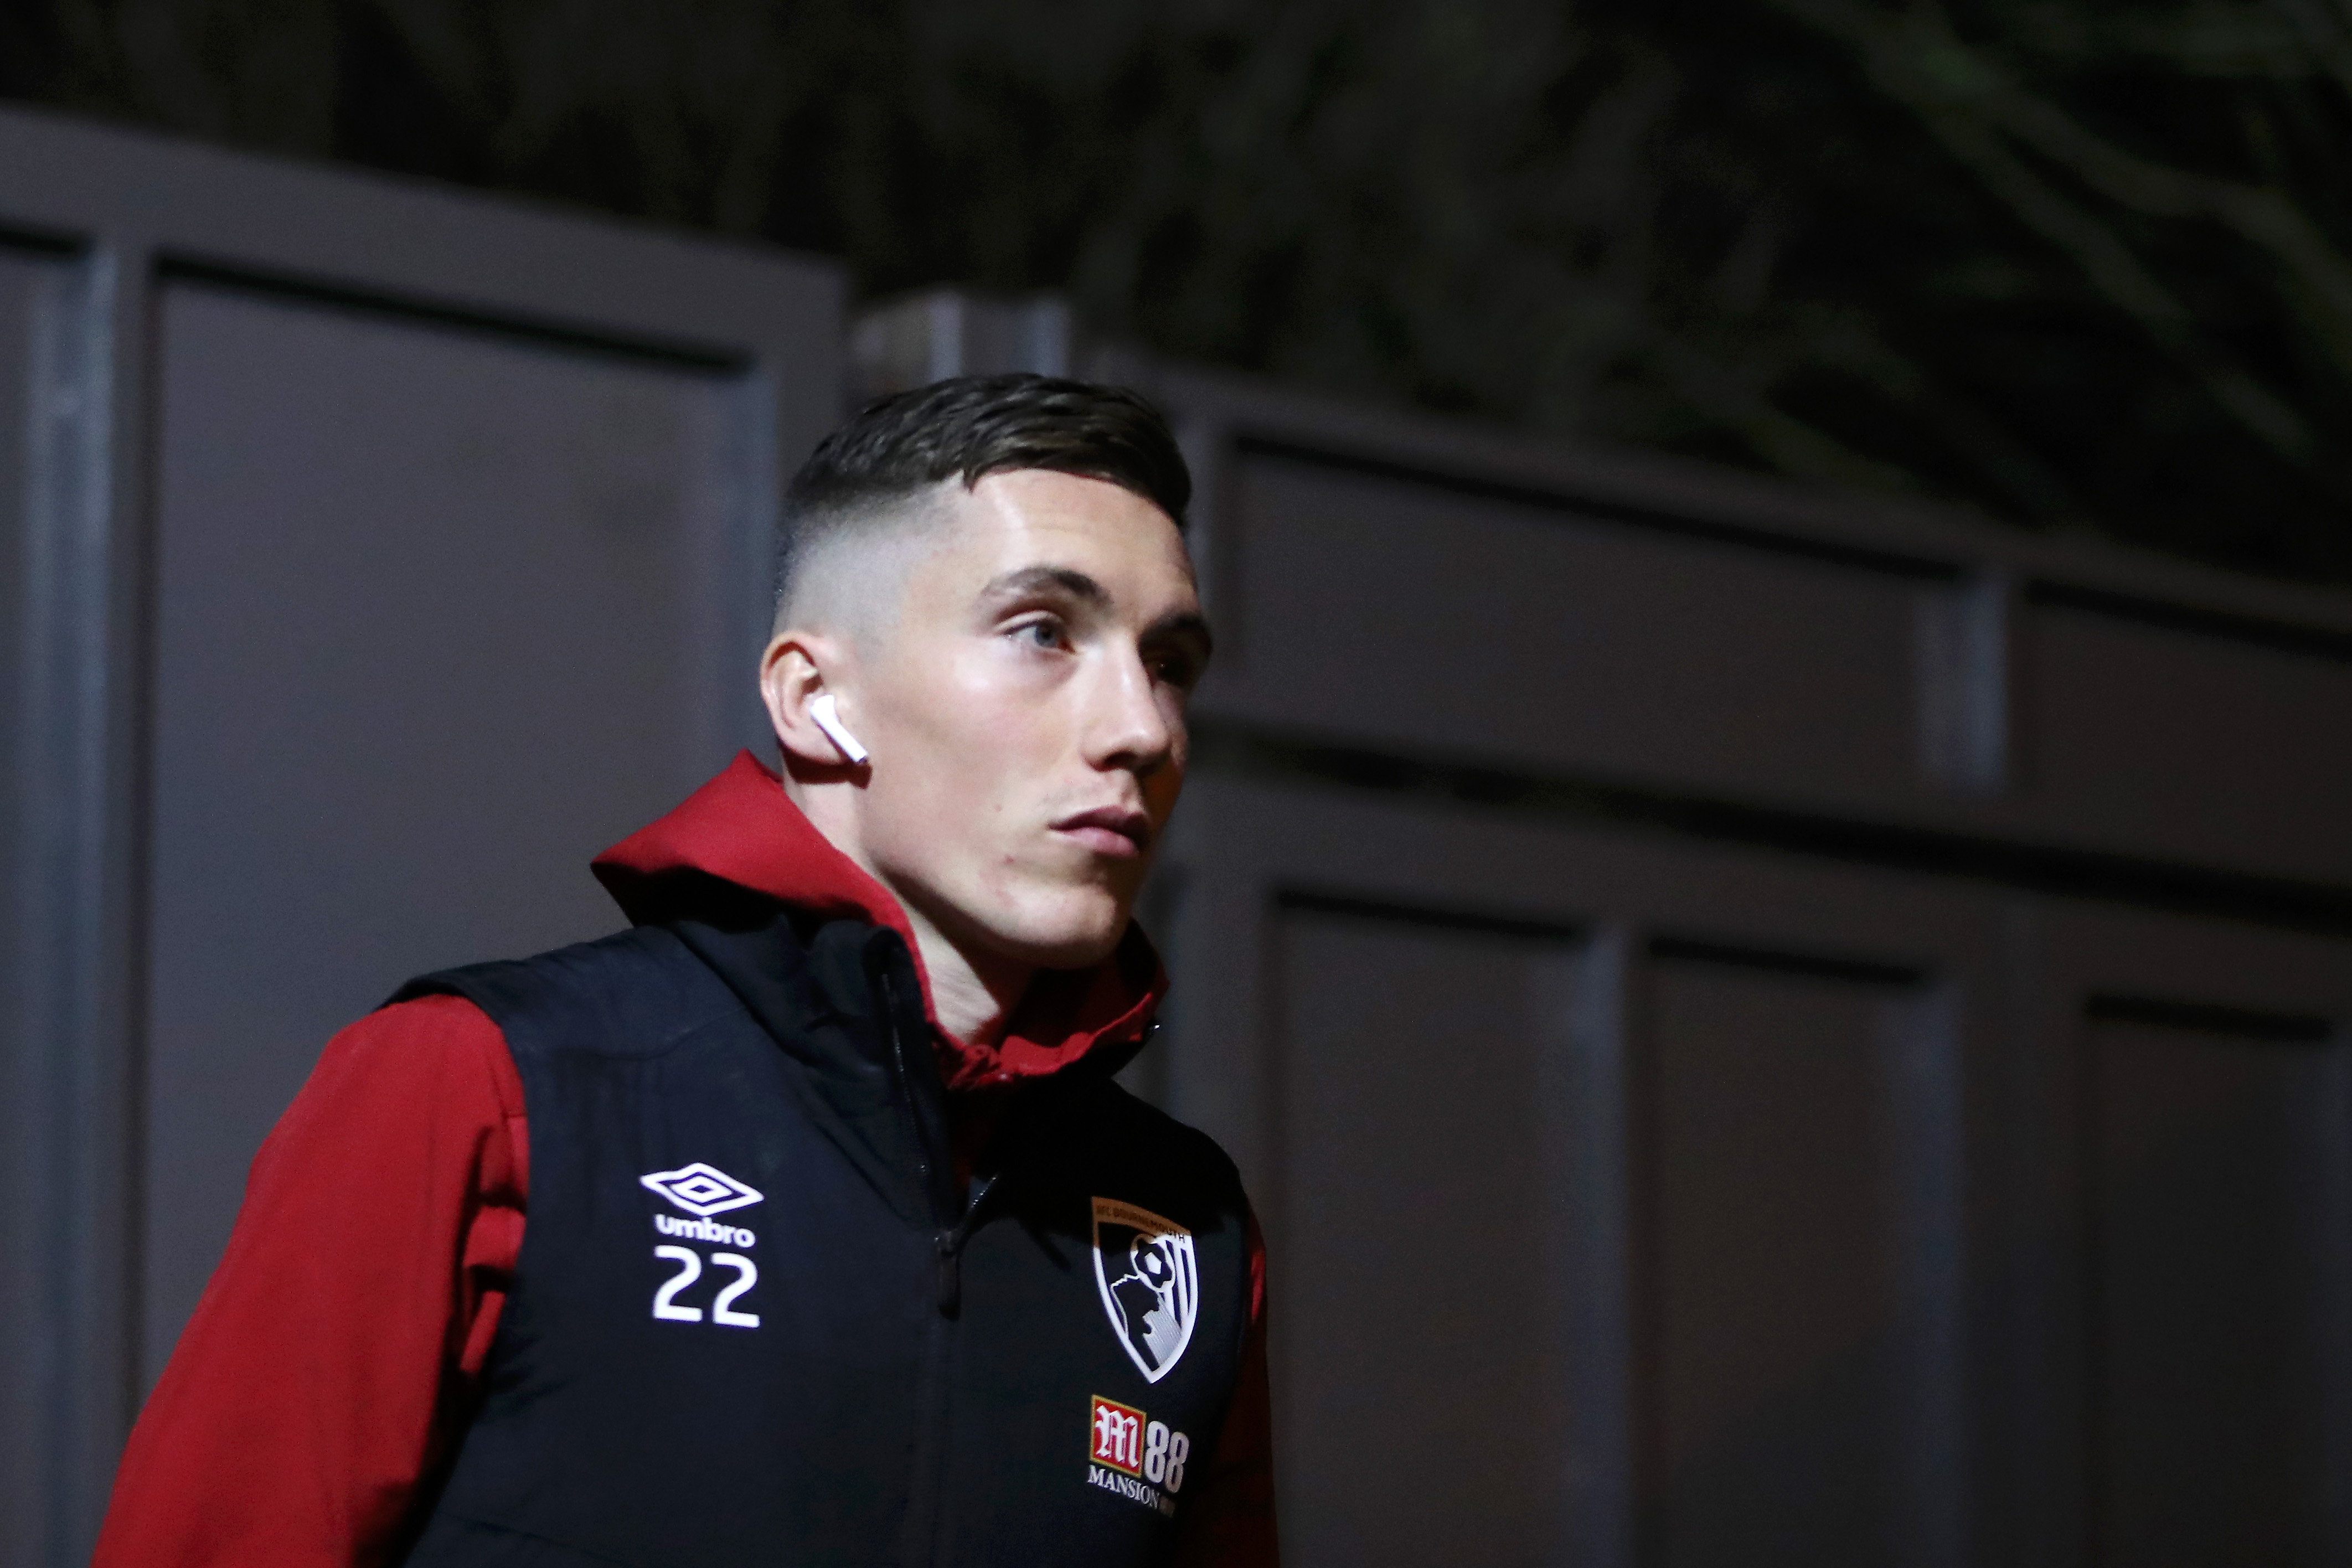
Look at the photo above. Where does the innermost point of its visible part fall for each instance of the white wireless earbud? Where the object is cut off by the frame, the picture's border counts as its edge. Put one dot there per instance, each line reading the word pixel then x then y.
pixel 827 714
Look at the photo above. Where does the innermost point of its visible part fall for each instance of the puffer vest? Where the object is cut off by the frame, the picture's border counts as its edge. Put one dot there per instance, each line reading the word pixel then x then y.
pixel 754 1318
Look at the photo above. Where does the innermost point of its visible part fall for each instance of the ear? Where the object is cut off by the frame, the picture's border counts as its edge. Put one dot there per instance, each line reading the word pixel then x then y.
pixel 792 676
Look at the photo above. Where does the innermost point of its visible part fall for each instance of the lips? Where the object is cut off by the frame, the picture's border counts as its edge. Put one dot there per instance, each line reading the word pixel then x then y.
pixel 1115 830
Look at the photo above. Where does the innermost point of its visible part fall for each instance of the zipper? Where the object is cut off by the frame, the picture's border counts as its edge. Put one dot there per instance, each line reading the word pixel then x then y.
pixel 950 1243
pixel 925 1101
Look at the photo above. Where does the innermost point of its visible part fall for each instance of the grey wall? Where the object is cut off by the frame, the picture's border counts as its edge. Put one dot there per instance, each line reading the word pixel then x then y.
pixel 1766 1029
pixel 27 1347
pixel 379 555
pixel 1762 1027
pixel 433 623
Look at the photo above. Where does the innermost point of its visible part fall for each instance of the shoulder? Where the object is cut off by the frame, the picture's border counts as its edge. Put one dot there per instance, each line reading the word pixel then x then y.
pixel 428 1050
pixel 632 993
pixel 1142 1117
pixel 1122 1131
pixel 427 1079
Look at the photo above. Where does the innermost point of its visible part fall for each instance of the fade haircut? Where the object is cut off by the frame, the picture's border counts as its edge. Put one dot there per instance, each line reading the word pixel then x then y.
pixel 867 474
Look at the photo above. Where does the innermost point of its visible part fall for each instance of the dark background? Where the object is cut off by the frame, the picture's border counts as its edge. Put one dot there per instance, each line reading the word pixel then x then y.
pixel 2081 266
pixel 1764 1026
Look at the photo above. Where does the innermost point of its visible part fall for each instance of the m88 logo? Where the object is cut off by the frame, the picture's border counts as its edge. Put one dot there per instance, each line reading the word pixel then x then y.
pixel 1125 1439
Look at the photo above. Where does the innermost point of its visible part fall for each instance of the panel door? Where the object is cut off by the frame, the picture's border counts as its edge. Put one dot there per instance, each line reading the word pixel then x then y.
pixel 1642 654
pixel 2193 1211
pixel 440 613
pixel 33 286
pixel 1612 1184
pixel 1792 1335
pixel 1635 1201
pixel 380 552
pixel 1423 1392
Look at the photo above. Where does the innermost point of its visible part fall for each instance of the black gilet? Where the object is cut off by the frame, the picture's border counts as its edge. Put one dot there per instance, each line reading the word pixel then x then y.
pixel 861 1365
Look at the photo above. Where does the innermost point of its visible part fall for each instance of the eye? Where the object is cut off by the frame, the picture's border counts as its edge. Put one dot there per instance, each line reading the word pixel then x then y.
pixel 1044 632
pixel 1179 670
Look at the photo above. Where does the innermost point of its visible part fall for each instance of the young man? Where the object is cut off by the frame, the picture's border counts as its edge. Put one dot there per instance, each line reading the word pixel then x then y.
pixel 801 1223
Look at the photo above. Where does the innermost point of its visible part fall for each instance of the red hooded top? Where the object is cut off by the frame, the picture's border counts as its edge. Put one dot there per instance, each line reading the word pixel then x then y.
pixel 742 828
pixel 336 1353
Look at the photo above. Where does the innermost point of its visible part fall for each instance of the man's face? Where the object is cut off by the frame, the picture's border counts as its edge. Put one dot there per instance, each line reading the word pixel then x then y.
pixel 1026 714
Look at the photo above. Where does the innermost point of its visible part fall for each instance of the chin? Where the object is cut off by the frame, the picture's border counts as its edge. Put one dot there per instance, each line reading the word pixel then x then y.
pixel 1068 952
pixel 1062 932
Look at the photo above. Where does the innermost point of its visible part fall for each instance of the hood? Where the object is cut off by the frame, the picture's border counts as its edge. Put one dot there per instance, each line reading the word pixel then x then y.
pixel 741 829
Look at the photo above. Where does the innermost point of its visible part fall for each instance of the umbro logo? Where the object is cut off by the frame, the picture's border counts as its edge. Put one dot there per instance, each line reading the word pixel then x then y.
pixel 702 1190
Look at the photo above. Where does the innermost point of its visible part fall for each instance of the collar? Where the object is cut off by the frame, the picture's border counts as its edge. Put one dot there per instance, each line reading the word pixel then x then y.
pixel 743 831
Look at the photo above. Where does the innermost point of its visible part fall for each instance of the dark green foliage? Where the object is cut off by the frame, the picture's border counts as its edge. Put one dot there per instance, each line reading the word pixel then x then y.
pixel 2081 265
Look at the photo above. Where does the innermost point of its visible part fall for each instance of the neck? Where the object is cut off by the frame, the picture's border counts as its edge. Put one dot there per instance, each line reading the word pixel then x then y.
pixel 972 992
pixel 972 995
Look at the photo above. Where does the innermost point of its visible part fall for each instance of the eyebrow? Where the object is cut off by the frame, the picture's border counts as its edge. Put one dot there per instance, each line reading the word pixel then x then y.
pixel 1187 623
pixel 1031 579
pixel 1086 591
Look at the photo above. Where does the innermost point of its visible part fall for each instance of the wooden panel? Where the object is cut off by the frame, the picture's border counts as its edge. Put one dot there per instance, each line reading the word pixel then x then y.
pixel 1400 613
pixel 1419 587
pixel 1775 1421
pixel 1420 1399
pixel 2189 745
pixel 21 281
pixel 1541 1188
pixel 2175 1145
pixel 124 209
pixel 21 278
pixel 435 623
pixel 2218 1229
pixel 27 1119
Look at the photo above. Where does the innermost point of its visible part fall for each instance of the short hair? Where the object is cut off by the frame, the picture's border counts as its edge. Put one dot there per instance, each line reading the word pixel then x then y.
pixel 970 426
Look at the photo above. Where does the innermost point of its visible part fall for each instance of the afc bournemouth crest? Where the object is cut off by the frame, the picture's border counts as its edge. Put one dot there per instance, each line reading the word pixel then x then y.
pixel 1150 1283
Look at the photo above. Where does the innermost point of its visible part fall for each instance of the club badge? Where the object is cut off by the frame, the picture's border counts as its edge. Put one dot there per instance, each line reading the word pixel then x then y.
pixel 1150 1284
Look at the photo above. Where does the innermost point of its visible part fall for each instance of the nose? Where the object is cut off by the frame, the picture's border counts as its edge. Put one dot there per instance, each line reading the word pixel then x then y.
pixel 1131 724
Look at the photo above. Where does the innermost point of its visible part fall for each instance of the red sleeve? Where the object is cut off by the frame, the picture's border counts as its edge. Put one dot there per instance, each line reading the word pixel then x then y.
pixel 332 1359
pixel 1230 1524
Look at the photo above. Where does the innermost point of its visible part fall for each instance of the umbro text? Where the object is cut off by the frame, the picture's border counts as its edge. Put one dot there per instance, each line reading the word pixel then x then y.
pixel 703 1230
